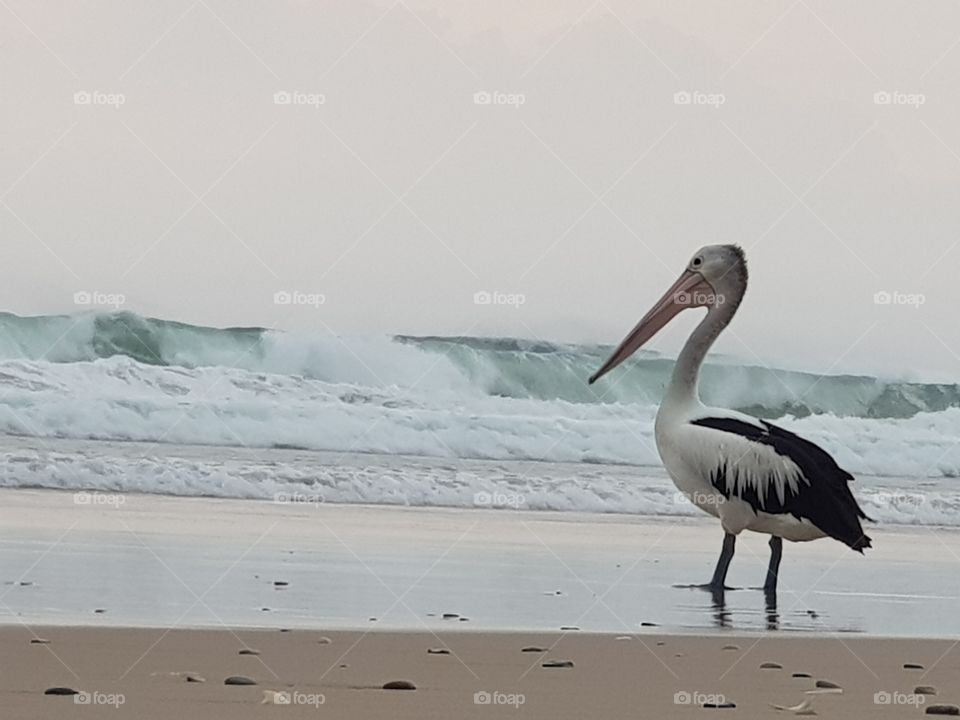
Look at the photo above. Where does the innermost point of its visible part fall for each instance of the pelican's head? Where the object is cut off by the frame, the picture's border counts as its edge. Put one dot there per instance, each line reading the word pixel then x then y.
pixel 715 277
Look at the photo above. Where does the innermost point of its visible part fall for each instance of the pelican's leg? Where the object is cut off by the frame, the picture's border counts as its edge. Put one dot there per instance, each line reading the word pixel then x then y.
pixel 726 555
pixel 776 552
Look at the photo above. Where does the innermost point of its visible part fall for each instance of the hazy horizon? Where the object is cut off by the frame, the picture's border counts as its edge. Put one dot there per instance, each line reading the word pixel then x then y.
pixel 396 159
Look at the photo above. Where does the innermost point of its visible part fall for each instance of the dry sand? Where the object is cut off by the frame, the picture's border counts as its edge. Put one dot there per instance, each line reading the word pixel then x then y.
pixel 142 673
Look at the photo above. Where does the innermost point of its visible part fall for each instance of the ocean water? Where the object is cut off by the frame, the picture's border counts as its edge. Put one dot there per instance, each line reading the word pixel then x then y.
pixel 119 402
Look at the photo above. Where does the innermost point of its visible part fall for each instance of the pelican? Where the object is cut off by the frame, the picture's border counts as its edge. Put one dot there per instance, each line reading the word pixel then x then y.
pixel 747 472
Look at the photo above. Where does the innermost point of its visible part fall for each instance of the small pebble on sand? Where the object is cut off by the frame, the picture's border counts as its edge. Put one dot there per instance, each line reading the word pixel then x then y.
pixel 239 680
pixel 61 691
pixel 943 710
pixel 399 685
pixel 558 664
pixel 771 666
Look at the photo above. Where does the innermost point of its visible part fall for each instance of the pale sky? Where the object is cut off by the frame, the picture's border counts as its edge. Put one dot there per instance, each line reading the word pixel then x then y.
pixel 584 187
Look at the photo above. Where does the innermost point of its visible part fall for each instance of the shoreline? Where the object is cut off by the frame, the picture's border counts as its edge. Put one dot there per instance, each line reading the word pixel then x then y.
pixel 159 561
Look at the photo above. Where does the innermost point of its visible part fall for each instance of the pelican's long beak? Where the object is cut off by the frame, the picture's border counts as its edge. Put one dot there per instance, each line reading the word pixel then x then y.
pixel 688 291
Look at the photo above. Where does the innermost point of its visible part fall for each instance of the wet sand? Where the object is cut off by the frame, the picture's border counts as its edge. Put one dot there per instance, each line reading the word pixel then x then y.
pixel 133 593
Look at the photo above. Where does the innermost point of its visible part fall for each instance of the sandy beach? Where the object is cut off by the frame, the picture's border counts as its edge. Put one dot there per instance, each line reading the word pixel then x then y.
pixel 145 605
pixel 158 673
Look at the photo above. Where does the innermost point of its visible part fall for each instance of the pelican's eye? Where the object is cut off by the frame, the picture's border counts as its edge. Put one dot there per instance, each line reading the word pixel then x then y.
pixel 697 262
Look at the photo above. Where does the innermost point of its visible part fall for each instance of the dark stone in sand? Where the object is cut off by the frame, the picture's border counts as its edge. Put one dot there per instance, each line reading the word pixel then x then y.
pixel 284 629
pixel 39 641
pixel 558 664
pixel 463 619
pixel 249 651
pixel 924 690
pixel 399 685
pixel 648 624
pixel 280 583
pixel 533 648
pixel 719 706
pixel 801 675
pixel 730 647
pixel 61 691
pixel 99 611
pixel 943 710
pixel 569 627
pixel 264 609
pixel 239 680
pixel 827 685
pixel 660 643
pixel 25 583
pixel 437 651
pixel 194 678
pixel 771 666
pixel 449 616
pixel 912 666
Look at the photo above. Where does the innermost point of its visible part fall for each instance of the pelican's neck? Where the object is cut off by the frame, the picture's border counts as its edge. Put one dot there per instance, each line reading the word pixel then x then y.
pixel 682 390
